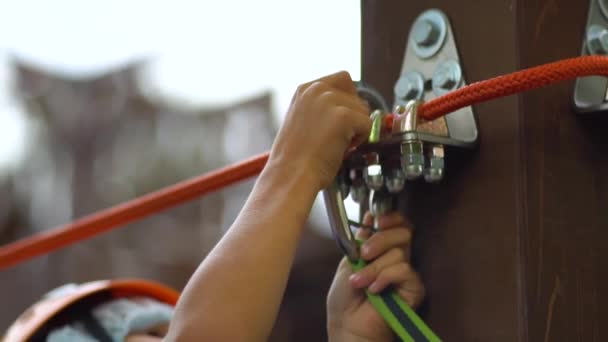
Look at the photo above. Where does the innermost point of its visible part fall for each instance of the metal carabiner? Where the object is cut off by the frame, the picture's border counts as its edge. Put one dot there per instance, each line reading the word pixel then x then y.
pixel 404 126
pixel 338 220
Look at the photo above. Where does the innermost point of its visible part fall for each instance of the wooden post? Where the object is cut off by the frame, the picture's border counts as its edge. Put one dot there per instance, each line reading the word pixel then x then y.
pixel 512 244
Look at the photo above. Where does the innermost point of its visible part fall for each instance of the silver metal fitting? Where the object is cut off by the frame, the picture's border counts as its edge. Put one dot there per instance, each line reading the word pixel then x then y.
pixel 410 86
pixel 358 190
pixel 412 154
pixel 428 33
pixel 412 159
pixel 406 120
pixel 436 164
pixel 380 203
pixel 395 181
pixel 358 193
pixel 425 32
pixel 399 109
pixel 372 174
pixel 338 220
pixel 597 40
pixel 447 77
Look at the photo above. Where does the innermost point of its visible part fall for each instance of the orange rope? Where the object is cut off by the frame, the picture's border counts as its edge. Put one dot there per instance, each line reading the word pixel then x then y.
pixel 130 211
pixel 516 82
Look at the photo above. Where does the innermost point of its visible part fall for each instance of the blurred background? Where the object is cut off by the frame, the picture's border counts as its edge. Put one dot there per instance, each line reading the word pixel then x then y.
pixel 104 101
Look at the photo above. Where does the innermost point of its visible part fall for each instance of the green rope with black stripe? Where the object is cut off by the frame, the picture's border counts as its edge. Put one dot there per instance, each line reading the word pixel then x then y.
pixel 397 314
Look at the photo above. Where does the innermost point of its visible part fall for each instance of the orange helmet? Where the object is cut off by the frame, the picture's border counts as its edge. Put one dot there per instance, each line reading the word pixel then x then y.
pixel 35 317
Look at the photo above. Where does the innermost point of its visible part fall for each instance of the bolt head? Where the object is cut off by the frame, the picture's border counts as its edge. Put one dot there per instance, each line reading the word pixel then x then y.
pixel 373 176
pixel 412 159
pixel 405 90
pixel 410 86
pixel 428 33
pixel 437 151
pixel 434 171
pixel 433 175
pixel 380 203
pixel 444 77
pixel 447 77
pixel 412 165
pixel 395 181
pixel 358 193
pixel 413 171
pixel 425 33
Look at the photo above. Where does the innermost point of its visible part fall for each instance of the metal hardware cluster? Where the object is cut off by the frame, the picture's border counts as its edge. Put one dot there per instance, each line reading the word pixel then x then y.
pixel 403 149
pixel 427 37
pixel 591 93
pixel 376 168
pixel 379 169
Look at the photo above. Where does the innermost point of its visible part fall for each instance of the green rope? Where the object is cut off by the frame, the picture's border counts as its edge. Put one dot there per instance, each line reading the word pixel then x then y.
pixel 397 314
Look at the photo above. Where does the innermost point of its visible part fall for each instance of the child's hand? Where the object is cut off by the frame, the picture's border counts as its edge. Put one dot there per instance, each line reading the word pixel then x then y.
pixel 325 117
pixel 350 316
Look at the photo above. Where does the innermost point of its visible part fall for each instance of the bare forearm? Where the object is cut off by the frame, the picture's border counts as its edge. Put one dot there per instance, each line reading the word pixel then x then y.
pixel 236 292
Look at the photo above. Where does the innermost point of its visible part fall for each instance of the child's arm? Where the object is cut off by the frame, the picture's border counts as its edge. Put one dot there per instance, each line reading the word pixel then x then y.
pixel 235 293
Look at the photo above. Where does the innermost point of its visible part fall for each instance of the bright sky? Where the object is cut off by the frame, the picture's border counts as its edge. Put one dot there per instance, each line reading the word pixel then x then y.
pixel 202 52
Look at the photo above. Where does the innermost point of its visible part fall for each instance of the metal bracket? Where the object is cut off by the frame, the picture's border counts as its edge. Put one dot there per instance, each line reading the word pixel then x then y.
pixel 407 149
pixel 591 93
pixel 431 67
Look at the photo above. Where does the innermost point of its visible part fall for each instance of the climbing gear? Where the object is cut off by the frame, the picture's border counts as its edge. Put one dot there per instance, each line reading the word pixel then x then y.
pixel 374 158
pixel 40 315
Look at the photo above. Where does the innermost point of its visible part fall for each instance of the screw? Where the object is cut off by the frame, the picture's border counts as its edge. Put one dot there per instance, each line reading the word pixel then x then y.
pixel 597 40
pixel 447 77
pixel 410 86
pixel 425 33
pixel 434 171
